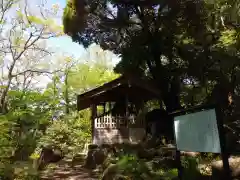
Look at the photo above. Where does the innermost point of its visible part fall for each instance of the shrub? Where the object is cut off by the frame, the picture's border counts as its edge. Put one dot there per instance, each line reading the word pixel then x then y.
pixel 190 165
pixel 69 133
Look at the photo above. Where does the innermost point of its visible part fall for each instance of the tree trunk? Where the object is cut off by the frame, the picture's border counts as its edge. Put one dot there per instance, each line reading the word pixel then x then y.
pixel 3 104
pixel 66 94
pixel 172 100
pixel 169 86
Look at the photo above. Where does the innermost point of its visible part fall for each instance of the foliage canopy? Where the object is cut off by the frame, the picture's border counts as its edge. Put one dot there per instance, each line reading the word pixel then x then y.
pixel 184 46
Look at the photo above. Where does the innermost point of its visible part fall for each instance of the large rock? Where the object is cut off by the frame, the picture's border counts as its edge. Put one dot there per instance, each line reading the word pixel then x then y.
pixel 95 157
pixel 90 160
pixel 217 168
pixel 49 155
pixel 100 156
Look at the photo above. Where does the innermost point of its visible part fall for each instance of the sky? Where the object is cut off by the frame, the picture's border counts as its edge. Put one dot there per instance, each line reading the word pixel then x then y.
pixel 65 43
pixel 62 46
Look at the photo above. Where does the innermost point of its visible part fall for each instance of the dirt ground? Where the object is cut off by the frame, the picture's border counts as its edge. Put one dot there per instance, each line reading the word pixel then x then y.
pixel 64 171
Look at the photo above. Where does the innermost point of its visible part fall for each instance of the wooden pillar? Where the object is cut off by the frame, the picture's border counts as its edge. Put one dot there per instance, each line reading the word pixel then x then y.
pixel 109 106
pixel 93 116
pixel 126 105
pixel 126 110
pixel 127 101
pixel 127 113
pixel 104 108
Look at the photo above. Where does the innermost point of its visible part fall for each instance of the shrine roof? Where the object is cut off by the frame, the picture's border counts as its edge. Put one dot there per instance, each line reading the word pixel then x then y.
pixel 124 85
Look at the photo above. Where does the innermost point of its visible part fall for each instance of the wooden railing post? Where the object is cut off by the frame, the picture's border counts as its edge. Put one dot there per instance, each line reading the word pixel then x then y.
pixel 93 116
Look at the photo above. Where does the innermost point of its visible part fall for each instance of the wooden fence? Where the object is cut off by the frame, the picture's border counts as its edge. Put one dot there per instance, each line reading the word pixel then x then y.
pixel 117 129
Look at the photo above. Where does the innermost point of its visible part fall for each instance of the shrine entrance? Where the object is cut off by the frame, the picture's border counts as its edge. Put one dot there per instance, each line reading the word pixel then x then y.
pixel 117 109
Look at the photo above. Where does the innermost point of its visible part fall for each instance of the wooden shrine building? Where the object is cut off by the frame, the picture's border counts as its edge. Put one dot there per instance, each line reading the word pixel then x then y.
pixel 115 108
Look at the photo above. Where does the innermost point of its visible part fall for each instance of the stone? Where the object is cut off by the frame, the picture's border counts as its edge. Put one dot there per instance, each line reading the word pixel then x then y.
pixel 90 160
pixel 110 172
pixel 190 154
pixel 92 146
pixel 100 156
pixel 217 168
pixel 49 155
pixel 167 150
pixel 95 157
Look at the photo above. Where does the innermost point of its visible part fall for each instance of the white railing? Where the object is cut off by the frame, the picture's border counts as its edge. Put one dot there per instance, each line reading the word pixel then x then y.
pixel 109 121
pixel 112 122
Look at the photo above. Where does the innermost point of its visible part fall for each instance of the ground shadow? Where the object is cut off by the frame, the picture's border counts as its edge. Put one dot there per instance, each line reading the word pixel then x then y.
pixel 65 169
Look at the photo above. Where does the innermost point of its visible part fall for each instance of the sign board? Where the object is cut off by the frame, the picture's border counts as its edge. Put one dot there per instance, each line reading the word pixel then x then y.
pixel 197 132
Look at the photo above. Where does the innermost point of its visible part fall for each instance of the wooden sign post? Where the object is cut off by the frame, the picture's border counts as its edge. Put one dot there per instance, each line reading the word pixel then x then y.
pixel 200 129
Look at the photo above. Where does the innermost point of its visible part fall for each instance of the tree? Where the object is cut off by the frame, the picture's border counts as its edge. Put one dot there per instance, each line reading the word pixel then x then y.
pixel 140 31
pixel 94 71
pixel 71 129
pixel 170 41
pixel 80 75
pixel 23 50
pixel 32 118
pixel 215 62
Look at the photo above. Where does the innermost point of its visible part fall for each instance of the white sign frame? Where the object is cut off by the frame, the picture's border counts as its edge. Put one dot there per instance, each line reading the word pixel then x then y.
pixel 197 132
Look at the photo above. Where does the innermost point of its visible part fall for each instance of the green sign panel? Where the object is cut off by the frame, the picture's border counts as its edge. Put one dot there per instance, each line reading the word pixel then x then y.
pixel 197 132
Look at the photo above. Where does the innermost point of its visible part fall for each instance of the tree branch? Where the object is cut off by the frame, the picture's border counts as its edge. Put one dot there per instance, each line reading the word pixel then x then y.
pixel 36 71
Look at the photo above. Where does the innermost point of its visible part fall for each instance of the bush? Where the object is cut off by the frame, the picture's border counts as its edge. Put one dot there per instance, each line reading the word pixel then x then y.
pixel 190 165
pixel 129 166
pixel 69 133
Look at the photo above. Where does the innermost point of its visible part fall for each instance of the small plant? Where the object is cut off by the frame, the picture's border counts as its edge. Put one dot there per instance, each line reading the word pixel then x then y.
pixel 190 165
